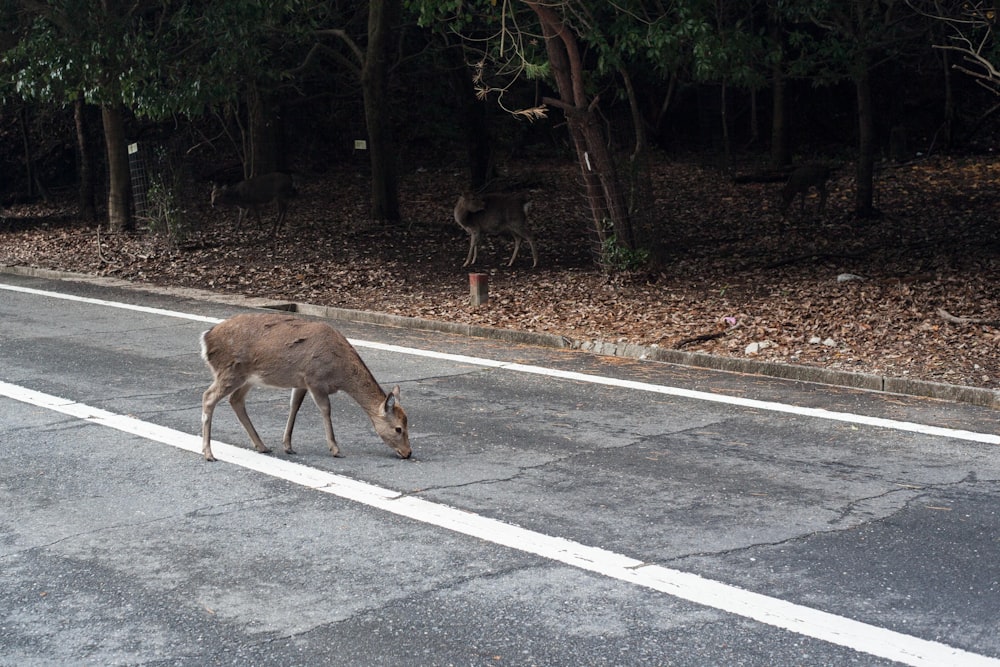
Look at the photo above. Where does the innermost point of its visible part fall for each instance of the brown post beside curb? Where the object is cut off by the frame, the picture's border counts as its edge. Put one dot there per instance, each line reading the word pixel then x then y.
pixel 478 289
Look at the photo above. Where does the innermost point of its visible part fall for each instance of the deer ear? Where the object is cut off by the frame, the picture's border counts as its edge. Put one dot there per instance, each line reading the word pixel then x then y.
pixel 390 400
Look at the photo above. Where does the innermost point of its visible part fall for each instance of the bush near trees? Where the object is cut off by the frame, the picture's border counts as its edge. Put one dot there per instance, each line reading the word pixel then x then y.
pixel 230 89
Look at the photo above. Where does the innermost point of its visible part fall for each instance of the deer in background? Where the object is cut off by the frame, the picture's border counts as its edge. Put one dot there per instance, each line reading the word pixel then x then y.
pixel 279 350
pixel 494 214
pixel 250 194
pixel 800 181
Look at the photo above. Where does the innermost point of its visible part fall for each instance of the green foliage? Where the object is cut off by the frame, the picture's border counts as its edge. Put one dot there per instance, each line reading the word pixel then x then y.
pixel 830 44
pixel 437 12
pixel 618 257
pixel 159 60
pixel 497 38
pixel 706 40
pixel 165 217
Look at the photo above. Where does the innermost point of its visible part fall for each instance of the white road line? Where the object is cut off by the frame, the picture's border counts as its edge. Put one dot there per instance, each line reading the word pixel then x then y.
pixel 110 304
pixel 799 619
pixel 770 406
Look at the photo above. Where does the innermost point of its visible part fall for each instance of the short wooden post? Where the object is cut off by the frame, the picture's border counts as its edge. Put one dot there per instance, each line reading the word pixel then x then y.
pixel 478 289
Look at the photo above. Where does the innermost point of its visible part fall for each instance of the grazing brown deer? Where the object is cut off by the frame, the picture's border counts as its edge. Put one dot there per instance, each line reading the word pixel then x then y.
pixel 800 181
pixel 279 350
pixel 494 214
pixel 252 193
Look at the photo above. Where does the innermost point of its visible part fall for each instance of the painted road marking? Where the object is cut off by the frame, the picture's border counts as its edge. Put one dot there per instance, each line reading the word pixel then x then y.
pixel 769 406
pixel 799 619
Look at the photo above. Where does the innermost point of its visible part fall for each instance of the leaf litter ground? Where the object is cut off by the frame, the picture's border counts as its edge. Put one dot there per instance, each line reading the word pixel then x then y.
pixel 732 280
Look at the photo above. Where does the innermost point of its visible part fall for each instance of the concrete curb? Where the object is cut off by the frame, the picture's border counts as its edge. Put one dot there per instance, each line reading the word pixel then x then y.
pixel 906 386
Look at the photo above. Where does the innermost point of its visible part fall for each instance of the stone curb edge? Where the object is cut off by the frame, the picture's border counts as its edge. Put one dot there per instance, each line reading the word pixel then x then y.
pixel 894 385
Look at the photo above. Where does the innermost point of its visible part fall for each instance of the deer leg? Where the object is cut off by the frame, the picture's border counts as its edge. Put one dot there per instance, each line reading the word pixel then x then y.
pixel 209 400
pixel 517 246
pixel 282 210
pixel 206 432
pixel 293 409
pixel 242 212
pixel 534 253
pixel 783 219
pixel 473 249
pixel 238 401
pixel 323 403
pixel 822 196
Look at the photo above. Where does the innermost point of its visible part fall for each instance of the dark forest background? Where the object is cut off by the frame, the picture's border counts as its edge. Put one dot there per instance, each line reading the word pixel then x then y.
pixel 134 107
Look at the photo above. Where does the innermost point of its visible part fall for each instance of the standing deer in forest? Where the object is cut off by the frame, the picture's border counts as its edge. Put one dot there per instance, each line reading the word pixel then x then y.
pixel 251 194
pixel 800 181
pixel 279 350
pixel 494 214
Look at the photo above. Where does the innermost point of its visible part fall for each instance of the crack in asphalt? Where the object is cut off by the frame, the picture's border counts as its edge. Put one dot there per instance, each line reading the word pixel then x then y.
pixel 205 511
pixel 918 493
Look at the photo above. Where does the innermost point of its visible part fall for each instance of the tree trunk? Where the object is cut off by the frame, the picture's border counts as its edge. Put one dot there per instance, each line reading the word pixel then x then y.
pixel 727 149
pixel 864 195
pixel 604 192
pixel 119 215
pixel 87 190
pixel 261 155
pixel 478 142
pixel 638 124
pixel 949 100
pixel 29 159
pixel 781 153
pixel 374 83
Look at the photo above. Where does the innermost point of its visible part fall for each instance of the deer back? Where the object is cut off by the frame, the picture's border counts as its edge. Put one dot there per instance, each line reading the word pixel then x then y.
pixel 492 213
pixel 805 177
pixel 254 191
pixel 284 351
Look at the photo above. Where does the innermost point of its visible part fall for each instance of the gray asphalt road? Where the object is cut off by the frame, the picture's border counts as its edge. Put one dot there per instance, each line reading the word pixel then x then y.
pixel 554 513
